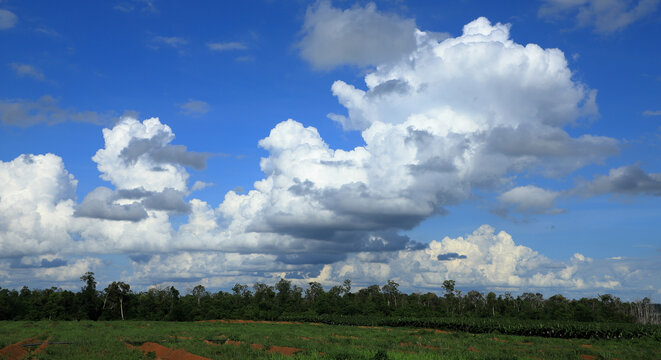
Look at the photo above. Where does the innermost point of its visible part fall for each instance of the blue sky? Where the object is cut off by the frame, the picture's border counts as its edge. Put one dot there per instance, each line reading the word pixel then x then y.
pixel 149 141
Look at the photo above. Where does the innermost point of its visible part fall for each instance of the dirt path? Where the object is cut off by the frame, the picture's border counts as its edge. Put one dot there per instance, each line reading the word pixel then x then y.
pixel 166 353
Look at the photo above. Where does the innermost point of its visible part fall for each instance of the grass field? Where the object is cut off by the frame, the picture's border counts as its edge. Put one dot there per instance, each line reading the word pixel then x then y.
pixel 264 340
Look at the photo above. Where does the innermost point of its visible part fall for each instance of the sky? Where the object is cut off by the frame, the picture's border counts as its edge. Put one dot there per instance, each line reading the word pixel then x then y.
pixel 510 148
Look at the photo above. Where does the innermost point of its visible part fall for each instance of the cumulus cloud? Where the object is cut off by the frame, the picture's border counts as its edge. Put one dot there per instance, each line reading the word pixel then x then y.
pixel 359 36
pixel 531 199
pixel 195 107
pixel 625 180
pixel 27 70
pixel 606 16
pixel 167 200
pixel 7 19
pixel 139 155
pixel 485 258
pixel 100 204
pixel 37 200
pixel 46 109
pixel 456 114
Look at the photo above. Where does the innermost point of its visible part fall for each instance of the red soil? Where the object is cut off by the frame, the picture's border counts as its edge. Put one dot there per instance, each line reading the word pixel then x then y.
pixel 588 357
pixel 472 349
pixel 285 350
pixel 499 340
pixel 16 351
pixel 586 346
pixel 257 346
pixel 232 342
pixel 166 353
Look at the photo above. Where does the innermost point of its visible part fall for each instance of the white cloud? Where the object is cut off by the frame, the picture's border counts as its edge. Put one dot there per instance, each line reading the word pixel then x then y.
pixel 531 199
pixel 139 155
pixel 36 205
pixel 606 16
pixel 457 114
pixel 652 112
pixel 195 107
pixel 359 36
pixel 485 258
pixel 7 19
pixel 27 70
pixel 174 42
pixel 226 46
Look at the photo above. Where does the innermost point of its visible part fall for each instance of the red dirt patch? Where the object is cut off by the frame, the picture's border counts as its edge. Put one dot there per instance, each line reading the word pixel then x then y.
pixel 257 346
pixel 404 344
pixel 499 340
pixel 429 347
pixel 588 357
pixel 166 353
pixel 472 349
pixel 586 346
pixel 232 342
pixel 16 351
pixel 285 350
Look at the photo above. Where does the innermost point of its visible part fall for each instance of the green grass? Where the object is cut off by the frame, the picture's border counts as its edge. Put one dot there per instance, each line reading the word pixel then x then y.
pixel 106 340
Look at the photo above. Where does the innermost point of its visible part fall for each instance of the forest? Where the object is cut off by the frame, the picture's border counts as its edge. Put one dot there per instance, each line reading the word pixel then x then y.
pixel 283 300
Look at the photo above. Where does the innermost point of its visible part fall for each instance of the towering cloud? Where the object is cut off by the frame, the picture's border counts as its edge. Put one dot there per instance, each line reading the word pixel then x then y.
pixel 37 200
pixel 453 115
pixel 139 155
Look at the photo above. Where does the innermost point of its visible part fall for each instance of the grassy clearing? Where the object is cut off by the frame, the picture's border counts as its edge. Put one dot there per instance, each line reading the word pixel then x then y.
pixel 227 340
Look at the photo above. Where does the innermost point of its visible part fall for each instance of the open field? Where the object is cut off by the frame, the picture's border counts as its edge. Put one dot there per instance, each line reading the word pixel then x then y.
pixel 235 339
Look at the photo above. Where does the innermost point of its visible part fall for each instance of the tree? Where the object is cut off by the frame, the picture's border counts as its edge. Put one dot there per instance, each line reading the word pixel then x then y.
pixel 391 292
pixel 89 296
pixel 448 286
pixel 346 286
pixel 199 291
pixel 116 292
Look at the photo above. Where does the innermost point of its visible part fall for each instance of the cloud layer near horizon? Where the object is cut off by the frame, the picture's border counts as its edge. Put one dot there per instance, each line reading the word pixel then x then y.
pixel 440 120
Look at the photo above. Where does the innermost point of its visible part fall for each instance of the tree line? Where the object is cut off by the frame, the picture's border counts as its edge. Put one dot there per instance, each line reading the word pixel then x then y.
pixel 284 299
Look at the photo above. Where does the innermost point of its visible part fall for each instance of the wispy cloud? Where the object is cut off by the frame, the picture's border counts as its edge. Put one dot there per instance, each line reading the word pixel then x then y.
pixel 46 109
pixel 27 70
pixel 195 107
pixel 170 41
pixel 652 112
pixel 7 19
pixel 129 6
pixel 47 31
pixel 226 46
pixel 605 17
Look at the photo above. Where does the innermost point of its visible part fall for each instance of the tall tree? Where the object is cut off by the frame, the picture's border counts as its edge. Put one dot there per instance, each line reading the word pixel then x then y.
pixel 89 296
pixel 116 292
